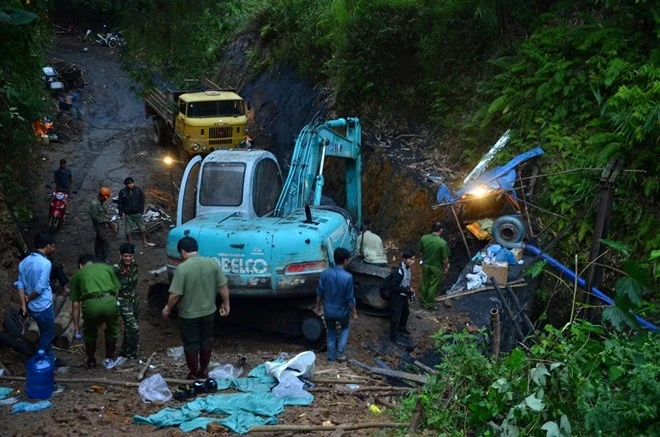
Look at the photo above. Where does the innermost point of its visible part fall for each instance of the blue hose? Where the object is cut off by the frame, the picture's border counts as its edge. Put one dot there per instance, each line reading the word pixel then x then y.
pixel 581 282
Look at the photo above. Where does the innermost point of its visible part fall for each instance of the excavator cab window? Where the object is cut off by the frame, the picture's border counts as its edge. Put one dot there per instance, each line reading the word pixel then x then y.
pixel 222 184
pixel 267 186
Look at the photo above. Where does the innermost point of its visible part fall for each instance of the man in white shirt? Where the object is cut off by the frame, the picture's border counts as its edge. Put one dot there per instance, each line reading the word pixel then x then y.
pixel 371 248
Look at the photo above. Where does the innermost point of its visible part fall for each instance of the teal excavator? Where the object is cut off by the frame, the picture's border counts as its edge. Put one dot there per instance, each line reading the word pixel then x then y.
pixel 273 237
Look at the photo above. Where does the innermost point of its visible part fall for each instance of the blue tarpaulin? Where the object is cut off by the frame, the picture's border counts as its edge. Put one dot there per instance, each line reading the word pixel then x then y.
pixel 499 178
pixel 240 411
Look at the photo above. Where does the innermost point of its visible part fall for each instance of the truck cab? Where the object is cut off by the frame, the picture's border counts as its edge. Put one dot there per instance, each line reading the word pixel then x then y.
pixel 198 120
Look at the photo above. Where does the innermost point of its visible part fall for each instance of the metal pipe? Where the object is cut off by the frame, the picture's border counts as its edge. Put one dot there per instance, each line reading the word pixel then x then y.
pixel 497 333
pixel 581 282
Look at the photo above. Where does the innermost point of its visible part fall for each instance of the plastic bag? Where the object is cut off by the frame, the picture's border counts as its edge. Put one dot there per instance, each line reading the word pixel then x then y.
pixel 28 406
pixel 154 389
pixel 225 371
pixel 290 386
pixel 302 365
pixel 175 352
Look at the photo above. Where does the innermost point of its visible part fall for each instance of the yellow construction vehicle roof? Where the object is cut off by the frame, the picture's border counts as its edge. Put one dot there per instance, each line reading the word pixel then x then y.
pixel 209 96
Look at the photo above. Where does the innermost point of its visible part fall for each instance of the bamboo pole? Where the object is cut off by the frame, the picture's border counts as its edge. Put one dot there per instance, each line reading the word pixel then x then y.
pixel 146 366
pixel 325 428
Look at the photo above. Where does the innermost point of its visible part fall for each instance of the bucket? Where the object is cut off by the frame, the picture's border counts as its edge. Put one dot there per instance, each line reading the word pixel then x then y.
pixel 45 140
pixel 40 377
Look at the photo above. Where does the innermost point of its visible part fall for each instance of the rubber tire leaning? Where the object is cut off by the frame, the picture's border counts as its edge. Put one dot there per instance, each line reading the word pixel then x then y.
pixel 508 223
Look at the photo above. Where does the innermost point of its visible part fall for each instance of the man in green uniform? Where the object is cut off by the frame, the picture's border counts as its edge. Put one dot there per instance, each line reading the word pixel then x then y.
pixel 435 253
pixel 93 288
pixel 195 284
pixel 129 301
pixel 98 212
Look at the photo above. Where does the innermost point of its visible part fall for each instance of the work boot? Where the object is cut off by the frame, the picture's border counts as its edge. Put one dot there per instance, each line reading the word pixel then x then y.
pixel 192 361
pixel 90 348
pixel 204 359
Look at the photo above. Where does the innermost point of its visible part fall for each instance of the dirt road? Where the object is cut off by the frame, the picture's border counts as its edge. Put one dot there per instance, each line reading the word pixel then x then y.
pixel 114 143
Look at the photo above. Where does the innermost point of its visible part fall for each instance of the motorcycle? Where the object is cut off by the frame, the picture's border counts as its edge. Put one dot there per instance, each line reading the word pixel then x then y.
pixel 57 210
pixel 110 39
pixel 71 29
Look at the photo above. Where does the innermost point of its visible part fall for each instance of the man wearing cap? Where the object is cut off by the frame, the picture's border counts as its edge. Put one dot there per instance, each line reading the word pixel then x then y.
pixel 98 212
pixel 131 206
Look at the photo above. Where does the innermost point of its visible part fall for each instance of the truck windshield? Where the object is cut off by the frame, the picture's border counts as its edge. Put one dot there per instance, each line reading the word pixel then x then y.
pixel 221 108
pixel 222 184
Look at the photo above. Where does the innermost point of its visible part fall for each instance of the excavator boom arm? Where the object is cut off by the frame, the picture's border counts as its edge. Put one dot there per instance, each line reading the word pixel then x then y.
pixel 304 183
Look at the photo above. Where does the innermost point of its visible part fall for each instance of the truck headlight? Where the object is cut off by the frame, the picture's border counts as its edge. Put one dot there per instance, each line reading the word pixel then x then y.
pixel 196 147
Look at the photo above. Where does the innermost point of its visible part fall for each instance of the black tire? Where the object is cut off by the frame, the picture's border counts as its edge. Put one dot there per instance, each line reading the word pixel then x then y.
pixel 113 43
pixel 161 133
pixel 18 345
pixel 54 223
pixel 313 329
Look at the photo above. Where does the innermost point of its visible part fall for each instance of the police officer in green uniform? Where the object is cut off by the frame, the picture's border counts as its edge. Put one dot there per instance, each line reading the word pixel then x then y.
pixel 196 282
pixel 128 298
pixel 94 289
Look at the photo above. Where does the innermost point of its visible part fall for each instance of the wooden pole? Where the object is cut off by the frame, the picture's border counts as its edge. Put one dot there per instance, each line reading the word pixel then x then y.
pixel 324 428
pixel 514 284
pixel 146 366
pixel 63 318
pixel 426 368
pixel 460 230
pixel 32 333
pixel 416 419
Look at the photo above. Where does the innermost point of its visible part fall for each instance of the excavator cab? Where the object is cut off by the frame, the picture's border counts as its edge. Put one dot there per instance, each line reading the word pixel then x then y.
pixel 230 181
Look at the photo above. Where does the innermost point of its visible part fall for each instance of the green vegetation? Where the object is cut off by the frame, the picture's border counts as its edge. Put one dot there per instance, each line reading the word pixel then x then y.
pixel 23 33
pixel 578 380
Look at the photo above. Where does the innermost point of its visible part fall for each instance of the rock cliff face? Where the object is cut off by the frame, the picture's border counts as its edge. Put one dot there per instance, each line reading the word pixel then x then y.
pixel 396 199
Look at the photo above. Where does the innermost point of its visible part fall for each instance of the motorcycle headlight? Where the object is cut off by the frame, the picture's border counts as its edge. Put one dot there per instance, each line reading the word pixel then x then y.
pixel 60 196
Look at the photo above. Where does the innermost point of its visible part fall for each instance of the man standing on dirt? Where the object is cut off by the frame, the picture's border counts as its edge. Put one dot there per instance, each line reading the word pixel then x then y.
pixel 129 300
pixel 337 295
pixel 93 288
pixel 435 264
pixel 34 290
pixel 402 294
pixel 131 206
pixel 63 178
pixel 98 212
pixel 196 282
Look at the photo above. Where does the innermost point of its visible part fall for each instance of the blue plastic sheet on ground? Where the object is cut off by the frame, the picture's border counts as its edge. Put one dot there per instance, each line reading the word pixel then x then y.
pixel 29 406
pixel 255 406
pixel 4 391
pixel 499 178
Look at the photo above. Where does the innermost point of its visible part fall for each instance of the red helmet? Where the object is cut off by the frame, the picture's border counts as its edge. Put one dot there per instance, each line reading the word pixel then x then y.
pixel 105 192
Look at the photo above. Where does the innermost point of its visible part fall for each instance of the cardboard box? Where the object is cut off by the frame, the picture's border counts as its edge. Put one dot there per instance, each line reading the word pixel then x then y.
pixel 497 269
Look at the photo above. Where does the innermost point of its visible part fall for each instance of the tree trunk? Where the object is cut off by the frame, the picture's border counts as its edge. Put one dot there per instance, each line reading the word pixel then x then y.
pixel 32 333
pixel 63 319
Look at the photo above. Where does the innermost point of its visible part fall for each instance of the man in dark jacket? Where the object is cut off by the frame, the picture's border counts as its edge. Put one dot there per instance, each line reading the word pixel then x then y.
pixel 131 206
pixel 401 296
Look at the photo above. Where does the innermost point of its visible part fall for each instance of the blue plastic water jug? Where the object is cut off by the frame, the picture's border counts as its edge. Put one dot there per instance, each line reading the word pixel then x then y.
pixel 40 377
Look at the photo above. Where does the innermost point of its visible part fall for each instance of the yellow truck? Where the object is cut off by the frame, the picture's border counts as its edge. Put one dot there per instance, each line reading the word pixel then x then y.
pixel 196 121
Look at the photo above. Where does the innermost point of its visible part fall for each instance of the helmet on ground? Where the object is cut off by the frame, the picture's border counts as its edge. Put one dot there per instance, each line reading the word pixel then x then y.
pixel 105 192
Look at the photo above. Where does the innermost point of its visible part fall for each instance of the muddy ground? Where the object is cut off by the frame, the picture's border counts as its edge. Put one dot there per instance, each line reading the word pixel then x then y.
pixel 113 143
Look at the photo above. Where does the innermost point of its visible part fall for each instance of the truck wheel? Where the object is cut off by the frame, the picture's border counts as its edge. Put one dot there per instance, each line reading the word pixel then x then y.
pixel 161 133
pixel 312 328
